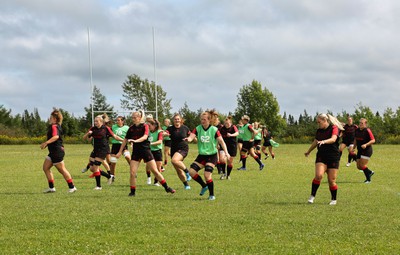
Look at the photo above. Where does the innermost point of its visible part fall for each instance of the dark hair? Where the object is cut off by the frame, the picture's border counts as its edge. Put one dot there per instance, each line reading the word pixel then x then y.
pixel 155 123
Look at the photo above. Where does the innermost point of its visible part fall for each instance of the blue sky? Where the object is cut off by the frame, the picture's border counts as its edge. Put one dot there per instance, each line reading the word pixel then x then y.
pixel 312 55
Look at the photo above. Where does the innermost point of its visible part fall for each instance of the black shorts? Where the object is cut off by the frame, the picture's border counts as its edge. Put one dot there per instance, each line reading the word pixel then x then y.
pixel 167 143
pixel 267 143
pixel 232 149
pixel 240 140
pixel 115 148
pixel 331 161
pixel 184 153
pixel 348 141
pixel 204 159
pixel 247 145
pixel 56 156
pixel 367 152
pixel 157 155
pixel 100 153
pixel 139 154
pixel 257 142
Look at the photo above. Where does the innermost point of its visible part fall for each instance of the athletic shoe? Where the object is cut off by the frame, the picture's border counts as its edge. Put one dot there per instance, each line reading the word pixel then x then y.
pixel 348 164
pixel 187 187
pixel 157 184
pixel 311 200
pixel 366 181
pixel 49 190
pixel 188 177
pixel 211 198
pixel 262 167
pixel 223 177
pixel 110 180
pixel 72 190
pixel 203 190
pixel 242 168
pixel 228 178
pixel 131 194
pixel 162 169
pixel 170 190
pixel 148 180
pixel 98 188
pixel 266 156
pixel 84 170
pixel 333 202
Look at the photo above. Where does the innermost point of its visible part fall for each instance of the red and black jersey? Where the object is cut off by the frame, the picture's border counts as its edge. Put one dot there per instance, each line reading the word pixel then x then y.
pixel 54 130
pixel 137 131
pixel 348 132
pixel 177 135
pixel 101 136
pixel 363 136
pixel 324 134
pixel 224 133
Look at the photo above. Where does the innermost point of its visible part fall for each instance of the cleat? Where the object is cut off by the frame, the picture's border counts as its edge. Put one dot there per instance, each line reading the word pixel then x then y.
pixel 187 187
pixel 223 177
pixel 311 200
pixel 84 170
pixel 72 190
pixel 98 188
pixel 49 190
pixel 188 177
pixel 366 181
pixel 242 168
pixel 148 180
pixel 262 167
pixel 203 190
pixel 131 194
pixel 170 190
pixel 110 180
pixel 157 184
pixel 266 156
pixel 211 198
pixel 333 202
pixel 348 164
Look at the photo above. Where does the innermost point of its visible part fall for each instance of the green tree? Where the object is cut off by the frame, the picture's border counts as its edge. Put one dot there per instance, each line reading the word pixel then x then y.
pixel 261 105
pixel 192 119
pixel 141 94
pixel 100 105
pixel 32 123
pixel 70 124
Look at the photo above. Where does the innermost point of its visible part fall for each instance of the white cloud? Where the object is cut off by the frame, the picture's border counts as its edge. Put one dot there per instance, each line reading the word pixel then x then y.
pixel 313 55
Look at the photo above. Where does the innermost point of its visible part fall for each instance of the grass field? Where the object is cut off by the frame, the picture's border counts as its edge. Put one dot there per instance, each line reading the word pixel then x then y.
pixel 257 212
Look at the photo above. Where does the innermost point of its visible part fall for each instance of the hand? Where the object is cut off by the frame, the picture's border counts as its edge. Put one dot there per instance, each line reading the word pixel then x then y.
pixel 43 145
pixel 364 146
pixel 306 154
pixel 321 142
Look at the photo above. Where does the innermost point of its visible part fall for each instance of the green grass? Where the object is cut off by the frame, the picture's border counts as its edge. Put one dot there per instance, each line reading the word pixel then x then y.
pixel 255 213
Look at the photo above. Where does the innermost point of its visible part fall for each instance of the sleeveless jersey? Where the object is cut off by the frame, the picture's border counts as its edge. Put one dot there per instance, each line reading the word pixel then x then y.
pixel 207 142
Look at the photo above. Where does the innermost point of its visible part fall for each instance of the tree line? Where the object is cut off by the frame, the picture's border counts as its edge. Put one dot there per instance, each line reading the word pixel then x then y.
pixel 253 99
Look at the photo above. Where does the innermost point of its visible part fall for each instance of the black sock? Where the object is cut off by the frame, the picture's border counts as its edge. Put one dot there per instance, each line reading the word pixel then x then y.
pixel 349 157
pixel 210 185
pixel 333 192
pixel 223 168
pixel 51 184
pixel 198 179
pixel 244 162
pixel 229 170
pixel 258 160
pixel 98 178
pixel 185 183
pixel 105 174
pixel 314 187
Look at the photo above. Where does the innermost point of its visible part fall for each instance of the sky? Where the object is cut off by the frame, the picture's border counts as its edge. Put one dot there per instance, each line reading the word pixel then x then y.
pixel 311 55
